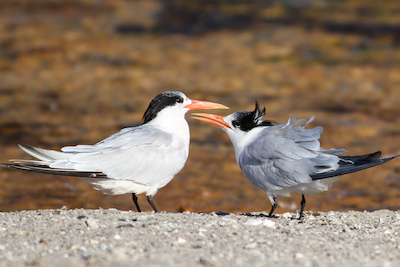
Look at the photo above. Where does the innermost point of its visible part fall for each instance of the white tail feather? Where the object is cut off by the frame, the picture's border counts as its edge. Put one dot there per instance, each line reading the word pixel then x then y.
pixel 44 154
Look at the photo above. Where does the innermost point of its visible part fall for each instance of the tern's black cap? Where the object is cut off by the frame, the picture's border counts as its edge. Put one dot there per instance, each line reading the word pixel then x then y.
pixel 247 120
pixel 160 102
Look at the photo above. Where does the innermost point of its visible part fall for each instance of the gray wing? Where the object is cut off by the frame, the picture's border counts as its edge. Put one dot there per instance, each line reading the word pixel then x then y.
pixel 125 139
pixel 286 155
pixel 143 154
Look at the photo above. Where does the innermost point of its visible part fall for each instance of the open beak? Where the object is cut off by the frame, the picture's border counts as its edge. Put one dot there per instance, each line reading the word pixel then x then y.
pixel 204 105
pixel 211 118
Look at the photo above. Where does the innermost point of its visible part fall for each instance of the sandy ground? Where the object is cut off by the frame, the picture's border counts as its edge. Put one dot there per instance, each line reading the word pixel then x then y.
pixel 102 237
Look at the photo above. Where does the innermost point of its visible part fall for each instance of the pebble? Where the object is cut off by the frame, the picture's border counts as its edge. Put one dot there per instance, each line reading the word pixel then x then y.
pixel 181 241
pixel 287 215
pixel 92 223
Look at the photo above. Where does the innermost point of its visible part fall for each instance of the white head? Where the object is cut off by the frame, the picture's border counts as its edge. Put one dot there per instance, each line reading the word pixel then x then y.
pixel 241 126
pixel 173 105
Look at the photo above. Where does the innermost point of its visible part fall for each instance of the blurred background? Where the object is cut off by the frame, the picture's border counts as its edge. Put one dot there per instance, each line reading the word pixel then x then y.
pixel 75 72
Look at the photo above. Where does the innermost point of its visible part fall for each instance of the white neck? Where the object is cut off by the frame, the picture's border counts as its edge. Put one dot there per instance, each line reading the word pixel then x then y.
pixel 241 139
pixel 172 120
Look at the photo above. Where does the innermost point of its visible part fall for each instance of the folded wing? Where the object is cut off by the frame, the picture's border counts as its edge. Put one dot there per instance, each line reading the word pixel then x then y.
pixel 138 154
pixel 286 155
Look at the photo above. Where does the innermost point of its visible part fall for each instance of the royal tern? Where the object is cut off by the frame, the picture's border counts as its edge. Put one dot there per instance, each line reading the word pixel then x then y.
pixel 135 160
pixel 280 159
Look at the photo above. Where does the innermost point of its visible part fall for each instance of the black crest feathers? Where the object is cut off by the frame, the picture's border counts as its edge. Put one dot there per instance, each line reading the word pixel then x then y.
pixel 257 113
pixel 247 120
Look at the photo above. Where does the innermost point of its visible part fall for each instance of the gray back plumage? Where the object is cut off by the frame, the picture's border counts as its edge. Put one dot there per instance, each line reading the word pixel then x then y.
pixel 287 155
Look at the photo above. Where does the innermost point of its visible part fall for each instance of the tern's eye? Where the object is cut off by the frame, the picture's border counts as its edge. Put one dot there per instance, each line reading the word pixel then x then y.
pixel 179 100
pixel 236 123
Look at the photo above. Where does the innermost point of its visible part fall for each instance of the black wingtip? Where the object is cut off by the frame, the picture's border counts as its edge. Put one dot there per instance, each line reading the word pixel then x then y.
pixel 390 158
pixel 22 167
pixel 350 164
pixel 10 165
pixel 47 170
pixel 363 158
pixel 375 156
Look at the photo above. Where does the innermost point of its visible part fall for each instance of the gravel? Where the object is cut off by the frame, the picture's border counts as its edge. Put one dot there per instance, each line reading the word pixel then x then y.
pixel 102 237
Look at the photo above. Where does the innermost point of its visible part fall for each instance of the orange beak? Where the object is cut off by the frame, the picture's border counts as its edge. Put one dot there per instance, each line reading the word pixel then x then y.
pixel 204 105
pixel 211 118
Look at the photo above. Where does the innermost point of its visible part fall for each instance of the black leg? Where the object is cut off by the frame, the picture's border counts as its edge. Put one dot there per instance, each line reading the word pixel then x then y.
pixel 150 200
pixel 273 207
pixel 134 197
pixel 303 204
